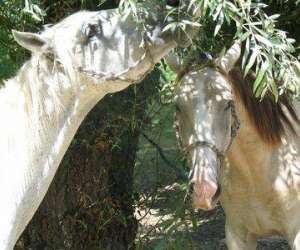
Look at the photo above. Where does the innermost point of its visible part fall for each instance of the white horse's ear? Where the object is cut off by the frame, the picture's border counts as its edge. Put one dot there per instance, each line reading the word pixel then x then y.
pixel 230 58
pixel 31 41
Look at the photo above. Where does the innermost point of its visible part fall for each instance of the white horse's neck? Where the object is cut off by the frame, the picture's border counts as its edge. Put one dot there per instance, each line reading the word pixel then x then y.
pixel 40 122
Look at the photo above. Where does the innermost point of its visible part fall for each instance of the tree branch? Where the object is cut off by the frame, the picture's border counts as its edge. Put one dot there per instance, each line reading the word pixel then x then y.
pixel 179 173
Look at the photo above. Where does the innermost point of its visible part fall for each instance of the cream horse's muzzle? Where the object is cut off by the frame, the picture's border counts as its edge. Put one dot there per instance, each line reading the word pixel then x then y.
pixel 205 187
pixel 207 198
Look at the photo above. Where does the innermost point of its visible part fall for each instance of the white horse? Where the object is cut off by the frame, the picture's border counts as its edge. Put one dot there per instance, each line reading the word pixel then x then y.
pixel 73 65
pixel 260 178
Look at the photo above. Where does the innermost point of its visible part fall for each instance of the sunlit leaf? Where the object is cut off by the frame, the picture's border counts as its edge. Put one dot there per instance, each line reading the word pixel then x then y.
pixel 251 61
pixel 260 75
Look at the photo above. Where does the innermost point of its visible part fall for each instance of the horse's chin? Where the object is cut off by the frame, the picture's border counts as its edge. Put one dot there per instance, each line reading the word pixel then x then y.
pixel 207 206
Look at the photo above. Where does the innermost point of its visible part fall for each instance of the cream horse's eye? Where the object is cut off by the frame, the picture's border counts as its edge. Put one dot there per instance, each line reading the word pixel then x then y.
pixel 228 106
pixel 177 108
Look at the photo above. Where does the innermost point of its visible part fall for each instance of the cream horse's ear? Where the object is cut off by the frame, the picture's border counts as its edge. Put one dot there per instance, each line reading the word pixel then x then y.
pixel 174 62
pixel 31 41
pixel 227 62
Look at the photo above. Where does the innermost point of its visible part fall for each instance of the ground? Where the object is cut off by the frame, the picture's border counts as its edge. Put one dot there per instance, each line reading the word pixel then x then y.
pixel 208 234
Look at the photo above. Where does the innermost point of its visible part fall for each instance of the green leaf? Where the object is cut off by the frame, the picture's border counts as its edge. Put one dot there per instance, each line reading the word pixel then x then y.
pixel 171 26
pixel 296 65
pixel 251 61
pixel 275 16
pixel 260 76
pixel 246 53
pixel 263 40
pixel 244 36
pixel 274 89
pixel 219 23
pixel 261 90
pixel 194 24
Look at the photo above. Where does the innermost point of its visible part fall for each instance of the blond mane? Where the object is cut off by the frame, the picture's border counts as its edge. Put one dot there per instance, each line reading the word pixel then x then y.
pixel 272 120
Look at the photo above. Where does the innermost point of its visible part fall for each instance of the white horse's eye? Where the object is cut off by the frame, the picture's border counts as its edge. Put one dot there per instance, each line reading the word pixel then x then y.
pixel 92 30
pixel 173 3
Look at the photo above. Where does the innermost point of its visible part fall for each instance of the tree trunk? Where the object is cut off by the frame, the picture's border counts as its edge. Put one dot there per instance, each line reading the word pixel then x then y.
pixel 90 202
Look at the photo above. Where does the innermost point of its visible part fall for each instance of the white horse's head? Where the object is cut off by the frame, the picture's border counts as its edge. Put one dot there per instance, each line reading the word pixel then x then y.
pixel 103 48
pixel 204 119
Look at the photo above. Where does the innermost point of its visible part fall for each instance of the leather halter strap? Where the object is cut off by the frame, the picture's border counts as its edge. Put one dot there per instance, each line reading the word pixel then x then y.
pixel 107 76
pixel 219 153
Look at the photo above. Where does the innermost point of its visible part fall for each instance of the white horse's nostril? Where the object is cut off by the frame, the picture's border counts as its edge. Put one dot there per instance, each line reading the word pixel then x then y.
pixel 173 3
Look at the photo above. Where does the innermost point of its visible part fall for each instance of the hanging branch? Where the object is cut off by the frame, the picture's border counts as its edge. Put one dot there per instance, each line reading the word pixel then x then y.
pixel 179 172
pixel 269 52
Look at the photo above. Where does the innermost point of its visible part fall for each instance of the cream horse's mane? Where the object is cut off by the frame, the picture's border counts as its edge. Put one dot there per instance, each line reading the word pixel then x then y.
pixel 271 119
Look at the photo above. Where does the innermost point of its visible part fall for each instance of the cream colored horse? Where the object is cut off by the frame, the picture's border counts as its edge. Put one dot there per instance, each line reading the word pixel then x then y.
pixel 260 178
pixel 74 64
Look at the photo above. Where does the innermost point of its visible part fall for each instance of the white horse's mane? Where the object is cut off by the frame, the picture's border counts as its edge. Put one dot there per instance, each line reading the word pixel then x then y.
pixel 53 68
pixel 38 99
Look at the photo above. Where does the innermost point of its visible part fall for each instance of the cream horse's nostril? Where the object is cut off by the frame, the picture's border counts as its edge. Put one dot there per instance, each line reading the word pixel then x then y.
pixel 217 194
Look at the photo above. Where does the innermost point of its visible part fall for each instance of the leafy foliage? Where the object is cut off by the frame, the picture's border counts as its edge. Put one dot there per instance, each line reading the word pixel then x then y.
pixel 12 16
pixel 268 51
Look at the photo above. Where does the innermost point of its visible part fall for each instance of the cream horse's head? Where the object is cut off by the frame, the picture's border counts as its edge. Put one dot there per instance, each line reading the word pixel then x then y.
pixel 204 118
pixel 104 49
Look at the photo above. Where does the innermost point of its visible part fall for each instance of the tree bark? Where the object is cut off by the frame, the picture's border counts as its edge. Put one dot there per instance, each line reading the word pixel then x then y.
pixel 90 202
